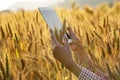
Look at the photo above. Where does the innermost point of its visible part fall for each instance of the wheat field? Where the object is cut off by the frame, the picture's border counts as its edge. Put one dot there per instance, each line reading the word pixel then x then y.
pixel 25 49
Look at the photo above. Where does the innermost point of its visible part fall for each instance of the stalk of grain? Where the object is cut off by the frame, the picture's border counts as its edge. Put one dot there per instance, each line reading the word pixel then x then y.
pixel 2 33
pixel 7 71
pixel 3 70
pixel 10 31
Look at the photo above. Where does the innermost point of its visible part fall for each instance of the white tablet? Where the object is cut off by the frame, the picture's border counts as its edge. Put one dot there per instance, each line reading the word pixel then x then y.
pixel 51 17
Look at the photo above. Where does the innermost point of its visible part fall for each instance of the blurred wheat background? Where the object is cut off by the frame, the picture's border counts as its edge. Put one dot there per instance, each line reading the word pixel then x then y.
pixel 25 49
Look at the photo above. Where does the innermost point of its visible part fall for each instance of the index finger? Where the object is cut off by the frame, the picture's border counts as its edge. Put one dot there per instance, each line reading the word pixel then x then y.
pixel 53 39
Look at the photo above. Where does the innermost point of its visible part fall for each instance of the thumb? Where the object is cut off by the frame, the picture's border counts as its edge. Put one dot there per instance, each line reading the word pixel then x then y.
pixel 66 41
pixel 53 38
pixel 54 41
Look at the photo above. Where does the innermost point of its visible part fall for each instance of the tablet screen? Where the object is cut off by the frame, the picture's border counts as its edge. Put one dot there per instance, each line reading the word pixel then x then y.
pixel 51 17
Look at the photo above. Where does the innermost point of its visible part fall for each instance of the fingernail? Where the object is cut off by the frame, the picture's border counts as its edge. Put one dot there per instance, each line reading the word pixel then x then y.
pixel 68 28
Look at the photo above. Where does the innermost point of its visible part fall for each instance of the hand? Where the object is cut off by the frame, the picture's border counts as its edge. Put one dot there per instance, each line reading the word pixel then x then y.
pixel 76 43
pixel 82 56
pixel 63 54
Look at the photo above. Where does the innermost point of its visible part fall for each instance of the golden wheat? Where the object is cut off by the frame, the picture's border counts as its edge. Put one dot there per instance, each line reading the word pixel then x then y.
pixel 25 50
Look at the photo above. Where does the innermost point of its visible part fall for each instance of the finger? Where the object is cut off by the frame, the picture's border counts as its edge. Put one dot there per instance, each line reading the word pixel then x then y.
pixel 54 41
pixel 53 45
pixel 53 38
pixel 72 35
pixel 66 41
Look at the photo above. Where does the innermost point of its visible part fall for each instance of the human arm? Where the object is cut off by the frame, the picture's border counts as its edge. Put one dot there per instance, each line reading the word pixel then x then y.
pixel 84 58
pixel 63 54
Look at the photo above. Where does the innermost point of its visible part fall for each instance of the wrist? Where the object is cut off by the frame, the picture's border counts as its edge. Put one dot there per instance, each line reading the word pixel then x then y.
pixel 74 68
